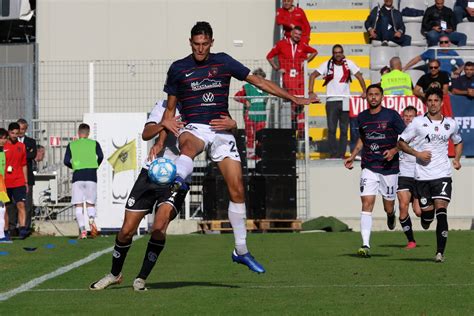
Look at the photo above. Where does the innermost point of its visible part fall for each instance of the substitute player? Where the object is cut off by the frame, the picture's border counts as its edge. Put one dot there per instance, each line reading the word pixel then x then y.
pixel 406 184
pixel 433 168
pixel 200 82
pixel 379 128
pixel 147 196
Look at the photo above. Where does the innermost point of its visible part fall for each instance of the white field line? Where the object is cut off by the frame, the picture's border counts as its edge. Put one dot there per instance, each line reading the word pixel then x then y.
pixel 302 286
pixel 35 282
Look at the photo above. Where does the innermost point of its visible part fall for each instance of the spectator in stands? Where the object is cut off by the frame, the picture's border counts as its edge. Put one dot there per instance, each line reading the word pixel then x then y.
pixel 464 9
pixel 84 156
pixel 434 79
pixel 290 16
pixel 438 21
pixel 30 145
pixel 337 73
pixel 396 82
pixel 255 110
pixel 40 151
pixel 386 24
pixel 292 54
pixel 16 176
pixel 464 85
pixel 452 66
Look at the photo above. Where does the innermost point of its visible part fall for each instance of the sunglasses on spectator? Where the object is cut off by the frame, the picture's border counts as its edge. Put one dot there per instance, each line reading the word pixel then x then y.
pixel 444 42
pixel 434 67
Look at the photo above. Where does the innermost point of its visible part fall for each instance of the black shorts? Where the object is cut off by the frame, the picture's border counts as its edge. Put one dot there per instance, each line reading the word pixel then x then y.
pixel 145 194
pixel 17 194
pixel 428 191
pixel 406 184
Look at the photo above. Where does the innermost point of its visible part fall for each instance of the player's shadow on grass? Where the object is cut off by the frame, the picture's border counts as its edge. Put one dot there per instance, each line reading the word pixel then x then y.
pixel 175 285
pixel 399 246
pixel 354 255
pixel 415 259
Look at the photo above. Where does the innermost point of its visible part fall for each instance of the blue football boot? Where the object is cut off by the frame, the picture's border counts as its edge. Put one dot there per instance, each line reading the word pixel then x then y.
pixel 179 185
pixel 249 261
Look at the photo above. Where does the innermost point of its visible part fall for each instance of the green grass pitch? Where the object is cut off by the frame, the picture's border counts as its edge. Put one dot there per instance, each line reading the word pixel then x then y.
pixel 315 273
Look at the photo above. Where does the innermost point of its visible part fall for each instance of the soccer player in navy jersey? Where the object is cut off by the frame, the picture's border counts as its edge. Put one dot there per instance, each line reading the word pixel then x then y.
pixel 379 128
pixel 200 82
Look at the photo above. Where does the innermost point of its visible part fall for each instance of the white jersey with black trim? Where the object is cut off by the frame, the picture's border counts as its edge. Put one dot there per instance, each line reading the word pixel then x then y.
pixel 433 136
pixel 171 143
pixel 407 161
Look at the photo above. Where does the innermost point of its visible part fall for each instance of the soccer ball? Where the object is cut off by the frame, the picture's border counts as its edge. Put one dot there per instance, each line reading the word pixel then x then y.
pixel 162 171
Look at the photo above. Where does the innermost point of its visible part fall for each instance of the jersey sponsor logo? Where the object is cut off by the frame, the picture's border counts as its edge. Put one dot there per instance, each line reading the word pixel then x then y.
pixel 374 147
pixel 375 136
pixel 208 97
pixel 189 74
pixel 437 137
pixel 131 201
pixel 205 84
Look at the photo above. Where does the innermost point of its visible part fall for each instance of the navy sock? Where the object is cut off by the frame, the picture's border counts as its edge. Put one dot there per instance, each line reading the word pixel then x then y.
pixel 119 255
pixel 441 229
pixel 152 253
pixel 407 228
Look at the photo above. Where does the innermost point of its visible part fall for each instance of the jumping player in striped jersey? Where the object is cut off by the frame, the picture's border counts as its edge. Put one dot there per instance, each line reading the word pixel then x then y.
pixel 433 169
pixel 406 192
pixel 200 82
pixel 379 128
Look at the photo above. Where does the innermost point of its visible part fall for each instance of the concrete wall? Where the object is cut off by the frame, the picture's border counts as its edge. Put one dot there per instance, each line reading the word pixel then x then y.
pixel 150 29
pixel 334 191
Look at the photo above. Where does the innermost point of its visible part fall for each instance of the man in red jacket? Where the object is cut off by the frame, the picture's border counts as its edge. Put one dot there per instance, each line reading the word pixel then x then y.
pixel 290 16
pixel 291 53
pixel 16 176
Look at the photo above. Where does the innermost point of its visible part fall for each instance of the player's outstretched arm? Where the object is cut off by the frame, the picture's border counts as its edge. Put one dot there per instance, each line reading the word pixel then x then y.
pixel 457 155
pixel 272 88
pixel 348 161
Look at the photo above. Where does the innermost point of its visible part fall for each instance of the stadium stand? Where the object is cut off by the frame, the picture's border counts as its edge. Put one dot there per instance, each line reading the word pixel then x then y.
pixel 468 29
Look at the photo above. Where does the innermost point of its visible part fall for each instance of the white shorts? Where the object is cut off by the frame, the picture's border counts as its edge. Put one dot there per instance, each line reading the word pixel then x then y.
pixel 84 191
pixel 219 144
pixel 372 183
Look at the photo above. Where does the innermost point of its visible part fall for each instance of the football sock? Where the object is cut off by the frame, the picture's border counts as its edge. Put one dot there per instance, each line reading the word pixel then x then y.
pixel 81 221
pixel 91 212
pixel 365 227
pixel 407 228
pixel 184 166
pixel 427 216
pixel 2 222
pixel 152 253
pixel 441 229
pixel 237 218
pixel 119 255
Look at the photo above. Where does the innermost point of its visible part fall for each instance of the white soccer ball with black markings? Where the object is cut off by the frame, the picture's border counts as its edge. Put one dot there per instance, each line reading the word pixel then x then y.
pixel 162 171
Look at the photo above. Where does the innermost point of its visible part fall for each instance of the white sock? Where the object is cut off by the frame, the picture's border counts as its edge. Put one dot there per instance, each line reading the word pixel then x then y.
pixel 365 227
pixel 91 213
pixel 184 166
pixel 2 222
pixel 81 221
pixel 237 217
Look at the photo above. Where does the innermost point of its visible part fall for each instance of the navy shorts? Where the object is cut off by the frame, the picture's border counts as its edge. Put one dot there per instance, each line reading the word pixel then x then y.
pixel 17 194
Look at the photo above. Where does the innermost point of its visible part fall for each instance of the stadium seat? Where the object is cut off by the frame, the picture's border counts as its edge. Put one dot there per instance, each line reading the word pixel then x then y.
pixel 414 30
pixel 380 56
pixel 468 29
pixel 374 76
pixel 414 4
pixel 407 53
pixel 467 55
pixel 415 75
pixel 449 3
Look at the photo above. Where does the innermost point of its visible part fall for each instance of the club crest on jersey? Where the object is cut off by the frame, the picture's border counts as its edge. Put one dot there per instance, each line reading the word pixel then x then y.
pixel 213 72
pixel 425 125
pixel 436 128
pixel 382 125
pixel 447 126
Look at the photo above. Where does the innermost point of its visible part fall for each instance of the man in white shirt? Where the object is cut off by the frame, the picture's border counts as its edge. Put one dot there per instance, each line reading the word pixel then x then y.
pixel 433 168
pixel 337 73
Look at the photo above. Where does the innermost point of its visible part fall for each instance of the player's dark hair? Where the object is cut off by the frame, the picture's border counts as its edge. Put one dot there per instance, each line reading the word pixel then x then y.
pixel 3 133
pixel 468 64
pixel 436 91
pixel 13 125
pixel 84 128
pixel 298 28
pixel 410 108
pixel 202 28
pixel 375 86
pixel 22 121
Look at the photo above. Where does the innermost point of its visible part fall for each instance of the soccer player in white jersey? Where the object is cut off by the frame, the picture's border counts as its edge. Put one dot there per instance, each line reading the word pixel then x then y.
pixel 433 167
pixel 143 198
pixel 406 184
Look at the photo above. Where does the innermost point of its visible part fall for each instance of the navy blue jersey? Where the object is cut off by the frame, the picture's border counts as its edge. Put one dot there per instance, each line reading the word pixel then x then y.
pixel 379 132
pixel 202 88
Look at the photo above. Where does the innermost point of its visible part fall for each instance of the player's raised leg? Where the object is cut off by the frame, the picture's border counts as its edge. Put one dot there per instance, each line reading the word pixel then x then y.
pixel 123 241
pixel 190 146
pixel 232 172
